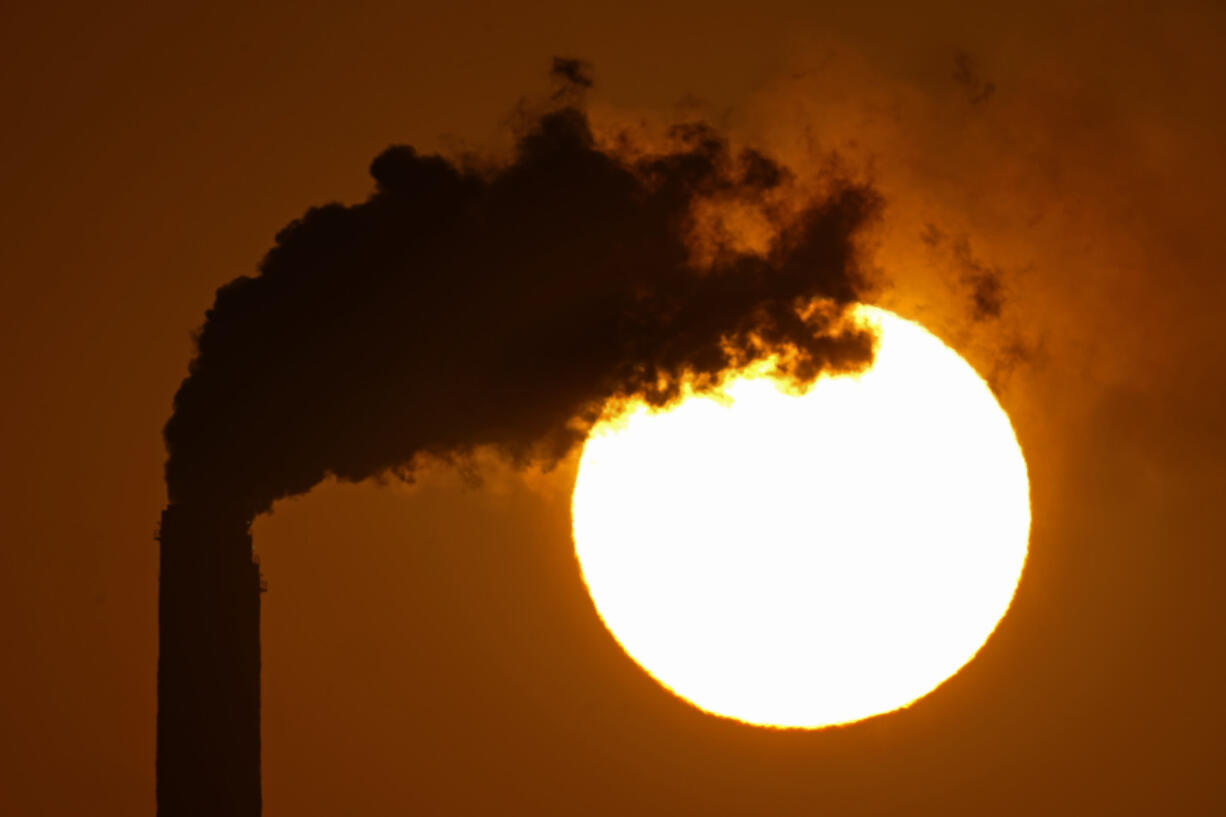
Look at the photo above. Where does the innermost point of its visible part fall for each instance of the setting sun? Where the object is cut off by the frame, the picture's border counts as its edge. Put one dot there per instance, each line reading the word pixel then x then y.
pixel 802 561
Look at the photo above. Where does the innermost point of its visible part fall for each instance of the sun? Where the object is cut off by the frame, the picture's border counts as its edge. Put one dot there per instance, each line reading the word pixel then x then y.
pixel 803 561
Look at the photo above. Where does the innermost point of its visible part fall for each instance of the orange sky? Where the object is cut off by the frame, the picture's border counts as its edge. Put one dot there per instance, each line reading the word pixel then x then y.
pixel 432 648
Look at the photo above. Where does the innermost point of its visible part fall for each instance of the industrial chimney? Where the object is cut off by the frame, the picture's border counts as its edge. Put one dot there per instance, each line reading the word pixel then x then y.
pixel 208 727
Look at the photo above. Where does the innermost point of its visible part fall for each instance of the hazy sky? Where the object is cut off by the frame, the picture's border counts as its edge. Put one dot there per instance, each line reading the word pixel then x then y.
pixel 432 648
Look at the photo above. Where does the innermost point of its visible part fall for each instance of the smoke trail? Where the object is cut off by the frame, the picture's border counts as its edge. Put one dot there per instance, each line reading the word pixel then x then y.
pixel 458 307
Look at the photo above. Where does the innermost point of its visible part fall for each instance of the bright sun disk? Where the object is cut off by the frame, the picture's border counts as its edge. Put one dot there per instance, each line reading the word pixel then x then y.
pixel 809 560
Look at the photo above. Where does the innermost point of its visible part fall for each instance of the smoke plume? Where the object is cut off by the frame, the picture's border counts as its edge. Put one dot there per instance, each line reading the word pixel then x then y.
pixel 463 306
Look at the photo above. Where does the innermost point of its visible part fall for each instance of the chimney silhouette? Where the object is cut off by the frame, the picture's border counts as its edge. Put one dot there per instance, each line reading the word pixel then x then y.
pixel 208 725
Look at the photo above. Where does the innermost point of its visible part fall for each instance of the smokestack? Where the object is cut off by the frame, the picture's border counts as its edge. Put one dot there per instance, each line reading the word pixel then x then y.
pixel 460 307
pixel 208 727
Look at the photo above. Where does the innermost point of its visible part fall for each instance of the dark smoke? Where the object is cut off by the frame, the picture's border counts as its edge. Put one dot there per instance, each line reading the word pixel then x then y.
pixel 460 307
pixel 572 76
pixel 966 73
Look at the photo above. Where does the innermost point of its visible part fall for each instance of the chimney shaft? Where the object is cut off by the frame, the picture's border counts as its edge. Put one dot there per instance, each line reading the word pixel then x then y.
pixel 208 722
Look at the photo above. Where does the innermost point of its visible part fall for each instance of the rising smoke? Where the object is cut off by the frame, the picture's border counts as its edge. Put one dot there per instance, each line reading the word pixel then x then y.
pixel 463 306
pixel 458 307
